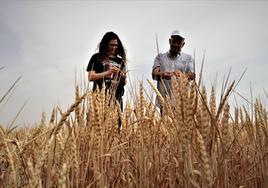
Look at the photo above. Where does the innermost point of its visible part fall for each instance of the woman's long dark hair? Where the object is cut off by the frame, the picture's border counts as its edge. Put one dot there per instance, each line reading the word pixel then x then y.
pixel 103 46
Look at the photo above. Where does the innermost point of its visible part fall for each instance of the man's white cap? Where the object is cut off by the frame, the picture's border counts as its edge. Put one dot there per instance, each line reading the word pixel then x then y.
pixel 177 33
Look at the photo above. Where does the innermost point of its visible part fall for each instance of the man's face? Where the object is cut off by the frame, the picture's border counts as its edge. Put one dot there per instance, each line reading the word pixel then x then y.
pixel 176 45
pixel 112 46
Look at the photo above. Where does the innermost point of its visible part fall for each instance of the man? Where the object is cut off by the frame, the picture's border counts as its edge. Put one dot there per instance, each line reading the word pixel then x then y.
pixel 172 63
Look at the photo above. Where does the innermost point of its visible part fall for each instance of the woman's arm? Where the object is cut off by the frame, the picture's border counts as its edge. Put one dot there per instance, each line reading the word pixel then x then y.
pixel 93 76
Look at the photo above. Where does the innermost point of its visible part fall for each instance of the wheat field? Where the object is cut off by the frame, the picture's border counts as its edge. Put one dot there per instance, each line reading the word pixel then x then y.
pixel 195 144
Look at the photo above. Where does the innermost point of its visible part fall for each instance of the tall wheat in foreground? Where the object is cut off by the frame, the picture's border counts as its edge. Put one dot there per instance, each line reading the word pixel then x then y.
pixel 193 144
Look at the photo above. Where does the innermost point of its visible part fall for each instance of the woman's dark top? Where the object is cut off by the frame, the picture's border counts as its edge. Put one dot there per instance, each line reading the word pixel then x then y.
pixel 96 65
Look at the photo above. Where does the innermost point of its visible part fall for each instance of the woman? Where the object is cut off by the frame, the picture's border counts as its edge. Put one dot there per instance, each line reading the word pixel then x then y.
pixel 108 66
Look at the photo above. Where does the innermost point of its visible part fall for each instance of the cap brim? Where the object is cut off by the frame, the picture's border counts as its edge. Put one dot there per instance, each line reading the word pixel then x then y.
pixel 179 36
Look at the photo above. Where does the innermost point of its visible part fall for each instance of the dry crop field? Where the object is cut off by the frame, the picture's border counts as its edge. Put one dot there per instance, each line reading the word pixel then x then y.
pixel 198 143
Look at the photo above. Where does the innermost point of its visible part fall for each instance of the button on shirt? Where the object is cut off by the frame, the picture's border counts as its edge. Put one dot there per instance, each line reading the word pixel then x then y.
pixel 183 62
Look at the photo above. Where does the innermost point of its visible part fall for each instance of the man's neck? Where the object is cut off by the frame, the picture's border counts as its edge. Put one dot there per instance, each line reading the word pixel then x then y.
pixel 173 55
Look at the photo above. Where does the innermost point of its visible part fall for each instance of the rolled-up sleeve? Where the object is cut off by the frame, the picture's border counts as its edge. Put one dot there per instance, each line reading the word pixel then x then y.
pixel 190 64
pixel 157 61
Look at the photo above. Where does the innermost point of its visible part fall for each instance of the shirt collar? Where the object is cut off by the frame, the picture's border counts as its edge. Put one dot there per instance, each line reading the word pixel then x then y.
pixel 176 56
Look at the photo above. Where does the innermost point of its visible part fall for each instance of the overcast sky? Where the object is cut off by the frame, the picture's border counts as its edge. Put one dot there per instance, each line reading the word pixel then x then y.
pixel 47 41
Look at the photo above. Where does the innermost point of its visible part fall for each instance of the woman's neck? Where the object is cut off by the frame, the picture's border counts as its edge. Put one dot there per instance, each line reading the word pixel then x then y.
pixel 111 55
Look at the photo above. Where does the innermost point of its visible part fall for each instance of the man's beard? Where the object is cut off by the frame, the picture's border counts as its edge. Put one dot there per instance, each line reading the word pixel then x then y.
pixel 173 53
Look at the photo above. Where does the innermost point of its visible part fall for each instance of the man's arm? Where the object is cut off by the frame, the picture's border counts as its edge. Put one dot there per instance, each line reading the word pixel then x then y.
pixel 156 68
pixel 190 69
pixel 156 74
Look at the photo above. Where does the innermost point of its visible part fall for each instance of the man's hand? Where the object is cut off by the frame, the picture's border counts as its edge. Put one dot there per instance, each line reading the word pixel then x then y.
pixel 177 73
pixel 166 75
pixel 190 75
pixel 157 74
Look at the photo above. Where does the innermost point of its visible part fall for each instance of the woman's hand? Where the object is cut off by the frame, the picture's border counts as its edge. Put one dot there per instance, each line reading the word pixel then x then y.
pixel 123 78
pixel 112 70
